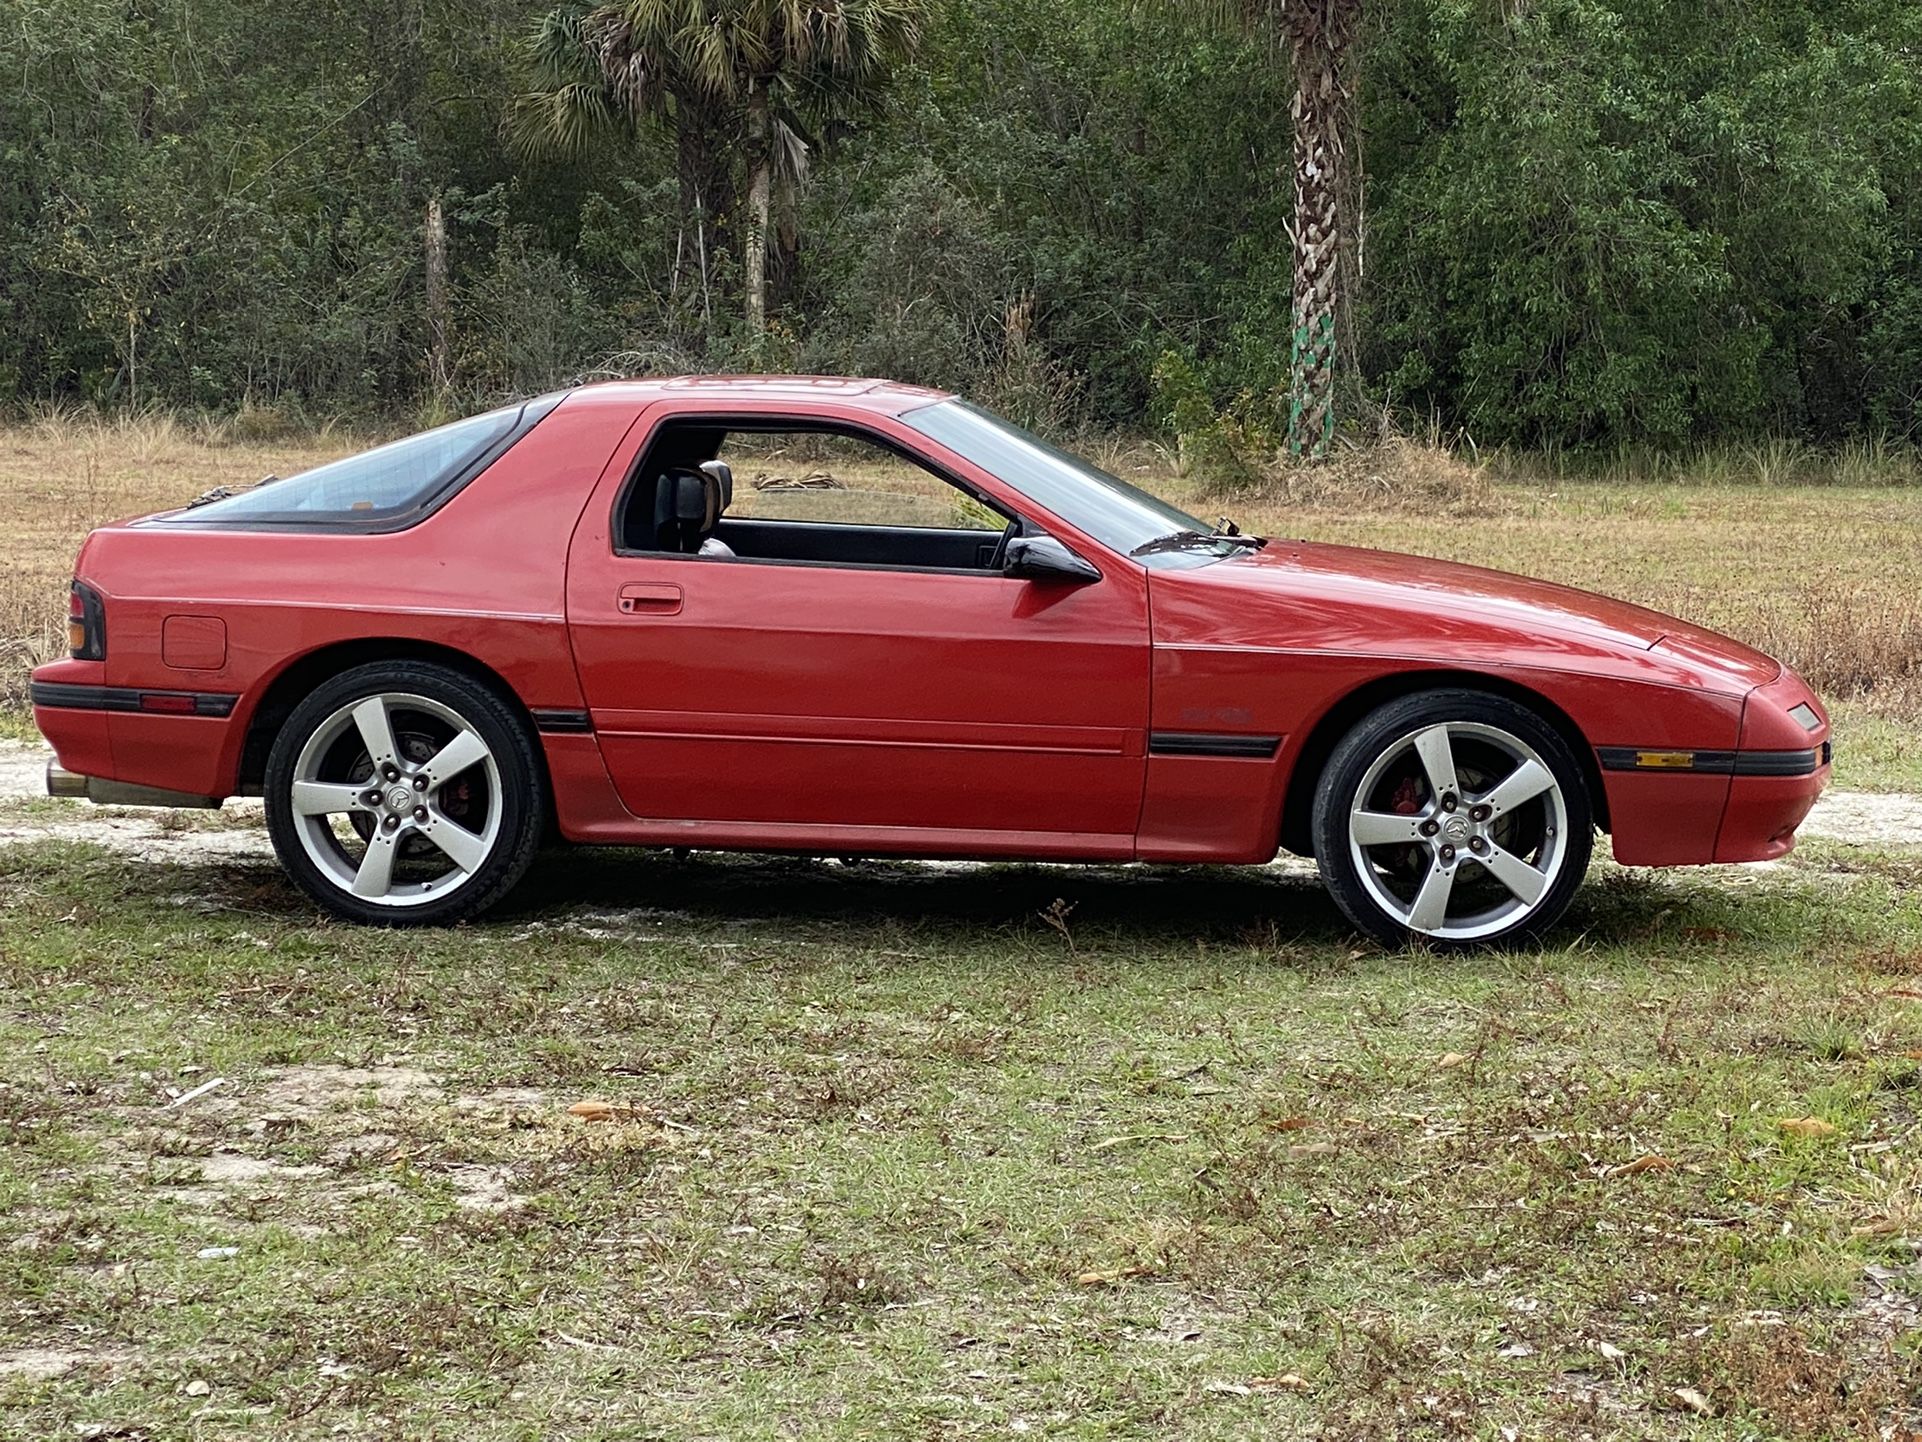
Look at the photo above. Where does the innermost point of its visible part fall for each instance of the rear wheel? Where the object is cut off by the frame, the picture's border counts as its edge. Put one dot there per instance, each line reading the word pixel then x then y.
pixel 1453 817
pixel 404 794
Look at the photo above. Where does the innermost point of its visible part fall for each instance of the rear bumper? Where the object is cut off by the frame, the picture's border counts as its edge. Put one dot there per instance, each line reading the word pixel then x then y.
pixel 102 792
pixel 165 741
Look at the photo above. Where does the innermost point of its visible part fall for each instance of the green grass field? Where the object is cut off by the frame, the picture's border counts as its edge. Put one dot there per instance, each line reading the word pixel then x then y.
pixel 925 1152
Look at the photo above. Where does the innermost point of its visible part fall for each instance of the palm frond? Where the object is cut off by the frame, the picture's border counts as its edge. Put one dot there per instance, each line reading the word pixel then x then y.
pixel 562 120
pixel 558 47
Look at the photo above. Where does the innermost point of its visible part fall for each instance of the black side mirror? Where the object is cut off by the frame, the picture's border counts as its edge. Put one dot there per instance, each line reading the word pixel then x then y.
pixel 1043 558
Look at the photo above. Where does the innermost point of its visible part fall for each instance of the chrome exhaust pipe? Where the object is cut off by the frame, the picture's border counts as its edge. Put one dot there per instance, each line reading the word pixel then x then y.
pixel 102 792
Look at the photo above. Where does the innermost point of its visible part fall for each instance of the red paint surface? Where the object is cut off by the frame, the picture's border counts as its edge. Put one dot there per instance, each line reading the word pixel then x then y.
pixel 757 705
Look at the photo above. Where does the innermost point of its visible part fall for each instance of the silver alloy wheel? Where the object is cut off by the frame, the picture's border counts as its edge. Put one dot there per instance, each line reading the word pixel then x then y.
pixel 400 801
pixel 1513 826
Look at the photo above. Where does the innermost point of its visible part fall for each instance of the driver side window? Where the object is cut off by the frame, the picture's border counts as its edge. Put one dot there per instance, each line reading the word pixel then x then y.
pixel 843 480
pixel 812 496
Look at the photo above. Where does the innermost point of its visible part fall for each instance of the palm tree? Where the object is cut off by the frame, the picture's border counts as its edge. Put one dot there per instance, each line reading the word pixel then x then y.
pixel 1321 38
pixel 1320 34
pixel 726 75
pixel 615 69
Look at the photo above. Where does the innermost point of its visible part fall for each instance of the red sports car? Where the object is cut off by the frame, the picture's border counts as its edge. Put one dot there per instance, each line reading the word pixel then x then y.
pixel 856 618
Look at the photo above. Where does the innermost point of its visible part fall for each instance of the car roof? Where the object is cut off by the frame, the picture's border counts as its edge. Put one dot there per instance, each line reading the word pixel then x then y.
pixel 882 396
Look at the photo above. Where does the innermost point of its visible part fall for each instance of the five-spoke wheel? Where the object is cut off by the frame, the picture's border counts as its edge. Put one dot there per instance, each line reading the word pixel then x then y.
pixel 1454 816
pixel 404 792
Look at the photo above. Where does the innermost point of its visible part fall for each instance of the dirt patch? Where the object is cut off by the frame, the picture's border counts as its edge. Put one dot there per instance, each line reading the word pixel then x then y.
pixel 232 1169
pixel 310 1091
pixel 1865 818
pixel 142 839
pixel 338 1108
pixel 44 1364
pixel 234 832
pixel 23 771
pixel 484 1189
pixel 362 1149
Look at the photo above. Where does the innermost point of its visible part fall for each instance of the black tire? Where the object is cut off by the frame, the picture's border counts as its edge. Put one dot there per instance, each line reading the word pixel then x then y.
pixel 515 808
pixel 1552 833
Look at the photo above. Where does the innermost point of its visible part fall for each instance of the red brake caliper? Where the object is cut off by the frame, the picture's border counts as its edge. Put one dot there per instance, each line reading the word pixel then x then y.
pixel 1407 802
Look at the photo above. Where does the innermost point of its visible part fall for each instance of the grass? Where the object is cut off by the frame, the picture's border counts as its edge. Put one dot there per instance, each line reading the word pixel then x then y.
pixel 900 1152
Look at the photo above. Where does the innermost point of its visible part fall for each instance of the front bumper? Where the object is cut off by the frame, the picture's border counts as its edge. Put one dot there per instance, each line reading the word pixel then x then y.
pixel 1693 808
pixel 1759 822
pixel 1784 721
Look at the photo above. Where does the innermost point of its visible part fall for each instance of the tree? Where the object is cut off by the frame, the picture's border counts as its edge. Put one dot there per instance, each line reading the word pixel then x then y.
pixel 1321 35
pixel 727 76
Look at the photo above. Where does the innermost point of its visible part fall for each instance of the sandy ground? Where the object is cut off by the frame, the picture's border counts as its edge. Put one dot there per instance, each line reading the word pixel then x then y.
pixel 1859 817
pixel 153 834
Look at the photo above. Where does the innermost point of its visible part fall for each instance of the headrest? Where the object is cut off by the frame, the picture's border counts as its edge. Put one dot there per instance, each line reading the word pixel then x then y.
pixel 724 473
pixel 687 507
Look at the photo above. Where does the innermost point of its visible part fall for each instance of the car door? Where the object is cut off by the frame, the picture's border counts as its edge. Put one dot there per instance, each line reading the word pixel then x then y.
pixel 816 703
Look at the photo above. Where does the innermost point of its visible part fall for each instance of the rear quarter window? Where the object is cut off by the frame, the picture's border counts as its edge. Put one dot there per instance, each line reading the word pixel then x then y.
pixel 387 487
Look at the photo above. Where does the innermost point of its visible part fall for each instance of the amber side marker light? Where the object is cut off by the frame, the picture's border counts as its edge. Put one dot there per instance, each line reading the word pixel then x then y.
pixel 1664 760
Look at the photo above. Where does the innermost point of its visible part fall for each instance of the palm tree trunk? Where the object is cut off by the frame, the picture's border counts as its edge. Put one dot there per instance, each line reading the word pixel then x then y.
pixel 434 246
pixel 1320 32
pixel 760 190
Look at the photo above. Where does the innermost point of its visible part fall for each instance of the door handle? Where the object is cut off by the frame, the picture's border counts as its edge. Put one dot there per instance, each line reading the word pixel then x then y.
pixel 650 600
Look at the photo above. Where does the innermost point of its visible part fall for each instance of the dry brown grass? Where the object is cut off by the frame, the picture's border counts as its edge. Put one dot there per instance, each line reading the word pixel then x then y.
pixel 1394 476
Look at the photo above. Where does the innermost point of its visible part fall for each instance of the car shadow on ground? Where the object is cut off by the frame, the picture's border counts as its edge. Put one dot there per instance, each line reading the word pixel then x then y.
pixel 710 887
pixel 1149 905
pixel 1282 904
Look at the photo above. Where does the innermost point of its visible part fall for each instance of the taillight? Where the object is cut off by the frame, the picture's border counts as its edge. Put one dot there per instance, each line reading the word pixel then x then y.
pixel 87 624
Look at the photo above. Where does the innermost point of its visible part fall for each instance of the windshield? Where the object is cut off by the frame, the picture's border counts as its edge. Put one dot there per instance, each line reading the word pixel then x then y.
pixel 1120 516
pixel 377 485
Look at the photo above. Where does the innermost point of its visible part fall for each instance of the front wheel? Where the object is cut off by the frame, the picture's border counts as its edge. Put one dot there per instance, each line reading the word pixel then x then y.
pixel 1454 817
pixel 404 794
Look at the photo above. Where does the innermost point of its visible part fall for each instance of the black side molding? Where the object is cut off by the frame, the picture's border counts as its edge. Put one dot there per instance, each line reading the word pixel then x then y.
pixel 563 723
pixel 61 696
pixel 1718 763
pixel 1207 743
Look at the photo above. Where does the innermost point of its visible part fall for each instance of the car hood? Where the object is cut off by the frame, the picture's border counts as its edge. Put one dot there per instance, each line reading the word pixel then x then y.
pixel 1350 598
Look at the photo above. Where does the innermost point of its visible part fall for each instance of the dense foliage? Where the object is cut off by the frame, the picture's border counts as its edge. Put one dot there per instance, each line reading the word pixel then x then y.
pixel 1581 221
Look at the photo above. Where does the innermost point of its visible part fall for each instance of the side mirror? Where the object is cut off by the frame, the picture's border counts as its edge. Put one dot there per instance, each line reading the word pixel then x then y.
pixel 1043 558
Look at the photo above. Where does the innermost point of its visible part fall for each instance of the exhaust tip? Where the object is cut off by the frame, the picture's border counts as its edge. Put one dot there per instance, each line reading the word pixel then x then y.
pixel 62 782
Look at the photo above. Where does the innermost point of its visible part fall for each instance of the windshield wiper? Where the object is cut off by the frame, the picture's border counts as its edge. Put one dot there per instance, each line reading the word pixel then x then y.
pixel 1184 540
pixel 221 493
